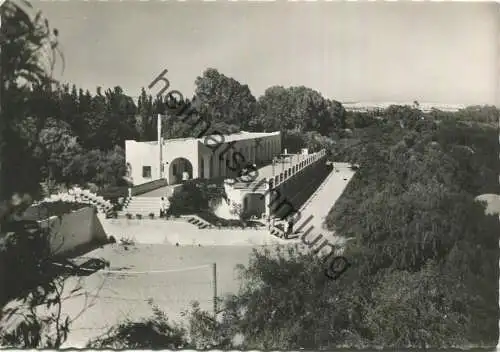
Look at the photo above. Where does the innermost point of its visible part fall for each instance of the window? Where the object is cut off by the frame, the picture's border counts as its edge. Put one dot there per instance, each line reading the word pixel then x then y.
pixel 174 169
pixel 146 171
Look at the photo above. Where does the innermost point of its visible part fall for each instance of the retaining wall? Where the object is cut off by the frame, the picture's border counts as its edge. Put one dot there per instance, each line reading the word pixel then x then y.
pixel 72 232
pixel 146 187
pixel 298 189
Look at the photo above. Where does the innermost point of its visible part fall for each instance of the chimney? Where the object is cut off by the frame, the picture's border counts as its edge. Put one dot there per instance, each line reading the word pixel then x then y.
pixel 159 128
pixel 160 173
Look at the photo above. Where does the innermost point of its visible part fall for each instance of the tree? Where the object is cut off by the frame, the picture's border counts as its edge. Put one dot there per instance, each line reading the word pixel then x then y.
pixel 224 100
pixel 56 148
pixel 28 57
pixel 103 168
pixel 298 108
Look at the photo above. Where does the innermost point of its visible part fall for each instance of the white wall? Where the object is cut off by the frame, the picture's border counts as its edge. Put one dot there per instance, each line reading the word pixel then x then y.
pixel 74 230
pixel 180 148
pixel 268 148
pixel 139 154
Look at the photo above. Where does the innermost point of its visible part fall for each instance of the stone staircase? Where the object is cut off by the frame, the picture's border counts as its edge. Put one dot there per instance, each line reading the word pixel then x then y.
pixel 275 231
pixel 143 206
pixel 199 222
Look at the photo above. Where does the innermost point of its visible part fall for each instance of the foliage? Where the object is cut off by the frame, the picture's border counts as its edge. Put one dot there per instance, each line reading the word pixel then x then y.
pixel 299 109
pixel 195 196
pixel 33 288
pixel 224 99
pixel 36 329
pixel 29 49
pixel 424 256
pixel 154 332
pixel 236 209
pixel 104 168
pixel 32 291
pixel 294 141
pixel 424 253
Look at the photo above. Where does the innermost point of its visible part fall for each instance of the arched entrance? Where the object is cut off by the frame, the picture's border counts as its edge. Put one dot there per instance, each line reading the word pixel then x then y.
pixel 254 204
pixel 180 170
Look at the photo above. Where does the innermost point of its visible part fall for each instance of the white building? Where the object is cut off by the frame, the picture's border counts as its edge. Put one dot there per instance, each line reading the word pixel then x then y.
pixel 207 157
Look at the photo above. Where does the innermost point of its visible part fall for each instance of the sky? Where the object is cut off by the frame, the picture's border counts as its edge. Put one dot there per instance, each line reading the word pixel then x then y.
pixel 371 51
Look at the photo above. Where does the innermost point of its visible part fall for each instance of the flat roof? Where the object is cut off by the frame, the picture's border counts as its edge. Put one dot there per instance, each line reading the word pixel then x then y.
pixel 240 136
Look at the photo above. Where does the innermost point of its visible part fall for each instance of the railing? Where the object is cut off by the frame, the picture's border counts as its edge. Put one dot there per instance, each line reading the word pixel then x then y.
pixel 257 185
pixel 298 167
pixel 264 184
pixel 146 187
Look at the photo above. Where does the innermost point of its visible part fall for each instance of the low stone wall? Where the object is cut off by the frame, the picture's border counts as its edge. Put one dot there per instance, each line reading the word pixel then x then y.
pixel 73 231
pixel 299 188
pixel 146 187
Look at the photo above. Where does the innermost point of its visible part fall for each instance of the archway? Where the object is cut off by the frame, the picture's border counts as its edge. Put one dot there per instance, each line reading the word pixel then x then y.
pixel 254 204
pixel 180 170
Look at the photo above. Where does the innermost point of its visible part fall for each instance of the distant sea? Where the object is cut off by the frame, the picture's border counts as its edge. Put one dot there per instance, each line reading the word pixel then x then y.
pixel 482 349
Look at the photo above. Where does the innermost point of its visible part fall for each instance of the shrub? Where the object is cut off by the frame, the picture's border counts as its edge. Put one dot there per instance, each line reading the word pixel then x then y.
pixel 195 196
pixel 126 242
pixel 151 215
pixel 111 239
pixel 129 216
pixel 138 216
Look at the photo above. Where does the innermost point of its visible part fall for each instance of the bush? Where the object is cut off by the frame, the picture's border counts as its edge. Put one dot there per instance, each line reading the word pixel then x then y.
pixel 138 216
pixel 154 332
pixel 129 216
pixel 111 239
pixel 127 242
pixel 195 196
pixel 25 253
pixel 151 215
